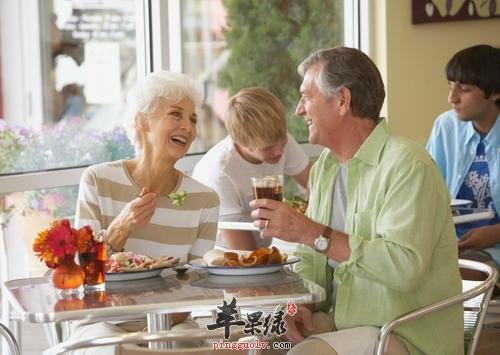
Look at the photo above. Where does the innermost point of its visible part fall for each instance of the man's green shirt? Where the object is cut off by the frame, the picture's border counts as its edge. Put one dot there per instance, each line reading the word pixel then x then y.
pixel 403 246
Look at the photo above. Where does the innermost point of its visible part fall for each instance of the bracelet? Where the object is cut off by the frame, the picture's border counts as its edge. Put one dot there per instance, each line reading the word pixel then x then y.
pixel 101 235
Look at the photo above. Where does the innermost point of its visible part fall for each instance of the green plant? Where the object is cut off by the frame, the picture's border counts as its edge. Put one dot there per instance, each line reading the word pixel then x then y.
pixel 268 39
pixel 59 202
pixel 69 143
pixel 6 210
pixel 10 146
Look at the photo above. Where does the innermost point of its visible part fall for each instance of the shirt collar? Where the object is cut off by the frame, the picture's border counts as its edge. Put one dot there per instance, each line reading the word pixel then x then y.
pixel 470 132
pixel 493 137
pixel 371 149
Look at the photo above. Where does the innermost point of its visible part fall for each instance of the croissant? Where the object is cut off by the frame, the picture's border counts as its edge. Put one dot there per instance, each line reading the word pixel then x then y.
pixel 260 256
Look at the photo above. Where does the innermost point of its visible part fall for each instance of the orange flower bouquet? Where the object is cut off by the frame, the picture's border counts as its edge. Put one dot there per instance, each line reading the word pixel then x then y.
pixel 61 241
pixel 57 247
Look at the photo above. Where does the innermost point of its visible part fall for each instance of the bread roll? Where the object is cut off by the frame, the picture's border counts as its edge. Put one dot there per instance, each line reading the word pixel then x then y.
pixel 214 257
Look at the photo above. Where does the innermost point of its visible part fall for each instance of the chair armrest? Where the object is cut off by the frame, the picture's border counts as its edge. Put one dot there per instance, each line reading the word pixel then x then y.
pixel 140 337
pixel 485 287
pixel 11 340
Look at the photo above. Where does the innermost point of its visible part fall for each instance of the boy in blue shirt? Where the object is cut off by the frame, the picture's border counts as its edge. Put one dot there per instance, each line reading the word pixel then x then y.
pixel 465 143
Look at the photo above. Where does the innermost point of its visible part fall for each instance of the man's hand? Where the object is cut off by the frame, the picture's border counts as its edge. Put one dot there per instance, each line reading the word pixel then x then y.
pixel 480 238
pixel 283 222
pixel 302 319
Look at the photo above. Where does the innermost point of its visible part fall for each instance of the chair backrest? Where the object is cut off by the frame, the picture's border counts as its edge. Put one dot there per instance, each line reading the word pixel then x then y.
pixel 145 337
pixel 11 340
pixel 473 324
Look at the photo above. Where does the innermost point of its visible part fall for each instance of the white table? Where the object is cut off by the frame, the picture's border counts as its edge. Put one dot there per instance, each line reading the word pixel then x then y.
pixel 34 300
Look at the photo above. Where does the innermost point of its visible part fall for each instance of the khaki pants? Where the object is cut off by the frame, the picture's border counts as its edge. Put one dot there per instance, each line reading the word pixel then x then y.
pixel 326 340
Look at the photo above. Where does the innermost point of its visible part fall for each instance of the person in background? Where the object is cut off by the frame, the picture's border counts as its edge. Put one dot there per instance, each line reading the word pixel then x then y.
pixel 257 145
pixel 144 204
pixel 65 77
pixel 465 143
pixel 378 211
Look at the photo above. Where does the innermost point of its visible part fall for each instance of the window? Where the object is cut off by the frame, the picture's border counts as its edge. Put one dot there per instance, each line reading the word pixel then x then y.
pixel 87 62
pixel 66 66
pixel 62 102
pixel 234 44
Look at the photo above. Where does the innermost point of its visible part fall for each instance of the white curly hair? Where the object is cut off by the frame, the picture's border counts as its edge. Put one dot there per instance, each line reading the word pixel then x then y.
pixel 143 97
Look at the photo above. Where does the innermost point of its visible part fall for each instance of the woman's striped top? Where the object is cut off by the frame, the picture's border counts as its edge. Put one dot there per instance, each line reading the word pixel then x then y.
pixel 186 231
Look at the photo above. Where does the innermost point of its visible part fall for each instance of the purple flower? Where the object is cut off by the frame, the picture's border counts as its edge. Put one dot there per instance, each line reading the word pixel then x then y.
pixel 37 204
pixel 58 199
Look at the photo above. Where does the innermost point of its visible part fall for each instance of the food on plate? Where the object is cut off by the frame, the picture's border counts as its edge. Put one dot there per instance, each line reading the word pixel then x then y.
pixel 263 256
pixel 296 202
pixel 214 257
pixel 231 259
pixel 260 256
pixel 129 261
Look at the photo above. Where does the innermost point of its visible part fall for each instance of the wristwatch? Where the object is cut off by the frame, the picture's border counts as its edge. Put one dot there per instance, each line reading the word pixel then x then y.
pixel 322 242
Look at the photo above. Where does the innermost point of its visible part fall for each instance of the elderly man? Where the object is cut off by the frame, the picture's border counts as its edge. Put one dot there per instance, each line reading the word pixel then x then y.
pixel 378 235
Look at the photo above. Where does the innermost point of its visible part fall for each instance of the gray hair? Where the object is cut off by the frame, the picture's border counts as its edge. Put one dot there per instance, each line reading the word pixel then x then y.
pixel 144 96
pixel 353 69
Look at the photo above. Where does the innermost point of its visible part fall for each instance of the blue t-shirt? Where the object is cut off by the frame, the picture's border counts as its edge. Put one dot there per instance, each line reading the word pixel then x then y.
pixel 476 188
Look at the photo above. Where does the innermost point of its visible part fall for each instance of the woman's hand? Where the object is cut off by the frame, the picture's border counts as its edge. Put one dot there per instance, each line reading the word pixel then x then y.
pixel 135 214
pixel 302 319
pixel 480 238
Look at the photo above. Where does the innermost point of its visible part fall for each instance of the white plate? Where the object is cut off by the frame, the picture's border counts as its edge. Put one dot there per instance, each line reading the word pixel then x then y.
pixel 240 270
pixel 134 275
pixel 467 215
pixel 237 221
pixel 456 202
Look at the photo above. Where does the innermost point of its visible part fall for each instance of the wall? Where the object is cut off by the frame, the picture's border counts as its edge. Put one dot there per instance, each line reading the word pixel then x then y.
pixel 412 60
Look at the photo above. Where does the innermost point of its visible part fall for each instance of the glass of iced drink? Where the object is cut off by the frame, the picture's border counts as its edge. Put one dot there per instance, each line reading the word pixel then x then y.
pixel 268 187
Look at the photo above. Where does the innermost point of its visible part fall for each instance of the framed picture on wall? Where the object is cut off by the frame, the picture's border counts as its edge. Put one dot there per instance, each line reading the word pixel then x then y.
pixel 424 11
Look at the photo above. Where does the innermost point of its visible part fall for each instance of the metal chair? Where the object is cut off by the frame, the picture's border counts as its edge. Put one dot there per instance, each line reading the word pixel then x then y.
pixel 474 311
pixel 11 340
pixel 145 337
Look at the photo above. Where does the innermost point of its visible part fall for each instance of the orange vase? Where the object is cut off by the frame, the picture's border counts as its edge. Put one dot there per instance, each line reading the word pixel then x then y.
pixel 68 276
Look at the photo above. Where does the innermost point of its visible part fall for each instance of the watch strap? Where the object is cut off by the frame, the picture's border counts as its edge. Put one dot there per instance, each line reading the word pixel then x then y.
pixel 327 232
pixel 322 239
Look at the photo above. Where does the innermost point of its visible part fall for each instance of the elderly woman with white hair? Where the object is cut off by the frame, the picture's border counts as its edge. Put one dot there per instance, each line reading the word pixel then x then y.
pixel 129 199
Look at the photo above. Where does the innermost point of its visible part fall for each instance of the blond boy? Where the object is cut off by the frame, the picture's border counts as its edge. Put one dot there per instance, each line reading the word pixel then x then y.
pixel 257 145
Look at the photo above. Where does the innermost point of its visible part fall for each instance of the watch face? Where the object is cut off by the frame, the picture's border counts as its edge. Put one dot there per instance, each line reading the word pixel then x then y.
pixel 321 243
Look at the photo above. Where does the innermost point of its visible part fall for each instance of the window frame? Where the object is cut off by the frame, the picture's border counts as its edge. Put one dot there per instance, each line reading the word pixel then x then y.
pixel 20 31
